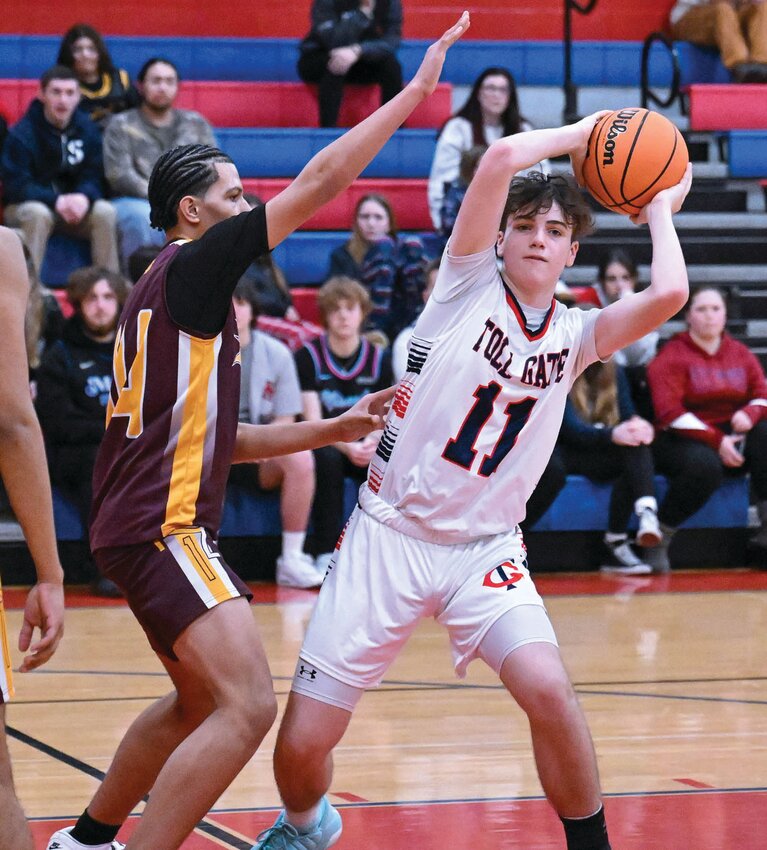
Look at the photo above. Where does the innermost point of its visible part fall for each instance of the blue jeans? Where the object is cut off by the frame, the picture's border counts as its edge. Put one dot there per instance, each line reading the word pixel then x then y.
pixel 133 229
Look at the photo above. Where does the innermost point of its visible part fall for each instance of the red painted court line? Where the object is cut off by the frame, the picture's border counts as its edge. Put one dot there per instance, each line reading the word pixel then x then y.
pixel 693 783
pixel 680 821
pixel 549 584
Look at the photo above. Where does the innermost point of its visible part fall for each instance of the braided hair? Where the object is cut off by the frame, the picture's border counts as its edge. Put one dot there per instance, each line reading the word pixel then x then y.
pixel 181 171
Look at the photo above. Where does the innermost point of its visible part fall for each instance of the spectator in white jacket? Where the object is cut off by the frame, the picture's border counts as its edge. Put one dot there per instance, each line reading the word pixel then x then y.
pixel 490 112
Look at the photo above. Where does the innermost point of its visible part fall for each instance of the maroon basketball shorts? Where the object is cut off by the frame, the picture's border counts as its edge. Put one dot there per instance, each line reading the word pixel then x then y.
pixel 169 583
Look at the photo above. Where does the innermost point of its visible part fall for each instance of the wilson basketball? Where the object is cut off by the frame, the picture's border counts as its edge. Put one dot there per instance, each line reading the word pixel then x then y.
pixel 632 155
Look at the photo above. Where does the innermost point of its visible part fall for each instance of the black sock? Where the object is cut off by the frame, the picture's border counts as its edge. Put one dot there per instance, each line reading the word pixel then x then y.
pixel 89 831
pixel 587 833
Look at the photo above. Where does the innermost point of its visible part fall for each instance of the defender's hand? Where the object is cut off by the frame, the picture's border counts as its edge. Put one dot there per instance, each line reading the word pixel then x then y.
pixel 427 76
pixel 367 415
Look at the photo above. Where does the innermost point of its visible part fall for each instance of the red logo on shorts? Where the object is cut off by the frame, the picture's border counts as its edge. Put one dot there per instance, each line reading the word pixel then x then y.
pixel 504 575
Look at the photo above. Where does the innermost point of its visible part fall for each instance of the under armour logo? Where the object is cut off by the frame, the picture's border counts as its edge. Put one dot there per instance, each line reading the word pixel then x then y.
pixel 307 673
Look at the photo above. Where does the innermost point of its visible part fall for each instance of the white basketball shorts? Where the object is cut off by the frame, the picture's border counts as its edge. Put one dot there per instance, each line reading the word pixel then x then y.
pixel 381 582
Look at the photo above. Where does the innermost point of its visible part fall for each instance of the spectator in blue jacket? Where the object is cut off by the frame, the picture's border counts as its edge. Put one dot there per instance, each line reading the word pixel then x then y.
pixel 53 173
pixel 602 438
pixel 351 41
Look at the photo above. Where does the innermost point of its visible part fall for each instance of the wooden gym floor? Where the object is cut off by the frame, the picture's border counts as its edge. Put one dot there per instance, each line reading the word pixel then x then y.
pixel 672 673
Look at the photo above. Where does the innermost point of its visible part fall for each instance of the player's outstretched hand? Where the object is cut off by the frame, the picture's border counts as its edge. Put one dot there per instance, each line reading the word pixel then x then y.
pixel 367 415
pixel 44 610
pixel 427 76
pixel 583 130
pixel 673 197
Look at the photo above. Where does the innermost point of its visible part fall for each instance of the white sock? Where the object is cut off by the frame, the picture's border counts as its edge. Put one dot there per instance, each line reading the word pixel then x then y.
pixel 293 542
pixel 645 503
pixel 304 821
pixel 614 537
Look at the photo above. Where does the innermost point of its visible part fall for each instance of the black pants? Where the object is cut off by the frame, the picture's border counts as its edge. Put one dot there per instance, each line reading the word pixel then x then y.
pixel 331 467
pixel 551 482
pixel 312 68
pixel 694 471
pixel 630 468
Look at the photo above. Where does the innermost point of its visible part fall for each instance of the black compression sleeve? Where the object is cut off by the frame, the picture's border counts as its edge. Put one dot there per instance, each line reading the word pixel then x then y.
pixel 204 273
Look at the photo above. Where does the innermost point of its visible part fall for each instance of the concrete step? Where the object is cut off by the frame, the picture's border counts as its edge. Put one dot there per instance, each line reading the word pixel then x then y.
pixel 713 275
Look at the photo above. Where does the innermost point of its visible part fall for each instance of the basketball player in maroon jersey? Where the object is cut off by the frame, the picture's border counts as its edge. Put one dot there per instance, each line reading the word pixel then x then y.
pixel 160 475
pixel 25 475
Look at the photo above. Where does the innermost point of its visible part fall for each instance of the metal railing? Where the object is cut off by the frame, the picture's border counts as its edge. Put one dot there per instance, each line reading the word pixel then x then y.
pixel 674 91
pixel 570 89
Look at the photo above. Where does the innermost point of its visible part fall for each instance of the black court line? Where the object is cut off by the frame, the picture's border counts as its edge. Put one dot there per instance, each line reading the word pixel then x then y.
pixel 728 700
pixel 211 829
pixel 404 683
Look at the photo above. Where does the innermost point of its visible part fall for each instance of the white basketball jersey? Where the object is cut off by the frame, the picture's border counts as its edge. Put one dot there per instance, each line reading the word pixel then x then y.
pixel 477 414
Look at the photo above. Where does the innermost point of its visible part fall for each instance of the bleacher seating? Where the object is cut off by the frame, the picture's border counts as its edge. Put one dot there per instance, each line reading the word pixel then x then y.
pixel 581 506
pixel 266 120
pixel 407 197
pixel 259 104
pixel 539 63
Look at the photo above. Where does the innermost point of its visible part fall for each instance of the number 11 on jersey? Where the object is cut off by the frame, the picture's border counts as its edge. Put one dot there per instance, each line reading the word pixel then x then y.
pixel 461 448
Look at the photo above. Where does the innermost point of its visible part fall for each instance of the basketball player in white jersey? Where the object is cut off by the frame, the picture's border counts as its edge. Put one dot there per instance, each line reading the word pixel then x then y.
pixel 470 431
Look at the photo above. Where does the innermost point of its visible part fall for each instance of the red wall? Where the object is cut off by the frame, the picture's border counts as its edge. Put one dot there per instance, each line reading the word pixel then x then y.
pixel 494 19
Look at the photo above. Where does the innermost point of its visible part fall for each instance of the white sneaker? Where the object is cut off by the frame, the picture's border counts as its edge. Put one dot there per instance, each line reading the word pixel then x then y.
pixel 323 562
pixel 649 533
pixel 298 571
pixel 622 561
pixel 62 840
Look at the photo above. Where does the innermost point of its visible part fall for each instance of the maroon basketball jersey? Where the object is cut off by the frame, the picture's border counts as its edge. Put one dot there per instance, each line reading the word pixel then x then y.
pixel 171 422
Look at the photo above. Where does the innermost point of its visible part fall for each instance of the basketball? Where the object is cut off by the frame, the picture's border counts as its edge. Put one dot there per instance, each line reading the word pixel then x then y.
pixel 632 155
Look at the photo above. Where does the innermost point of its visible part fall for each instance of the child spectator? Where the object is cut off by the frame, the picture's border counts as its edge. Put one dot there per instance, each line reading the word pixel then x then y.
pixel 454 191
pixel 336 371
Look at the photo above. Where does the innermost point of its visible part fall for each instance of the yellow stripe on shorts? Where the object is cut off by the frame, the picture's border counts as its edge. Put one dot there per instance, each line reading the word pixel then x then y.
pixel 201 566
pixel 6 674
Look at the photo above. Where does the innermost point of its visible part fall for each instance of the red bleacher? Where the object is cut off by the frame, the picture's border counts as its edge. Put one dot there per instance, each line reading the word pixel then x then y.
pixel 728 107
pixel 407 197
pixel 295 104
pixel 491 19
pixel 227 104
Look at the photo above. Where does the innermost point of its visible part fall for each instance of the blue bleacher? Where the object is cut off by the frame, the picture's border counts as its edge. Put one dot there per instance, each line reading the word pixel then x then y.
pixel 541 63
pixel 747 154
pixel 581 506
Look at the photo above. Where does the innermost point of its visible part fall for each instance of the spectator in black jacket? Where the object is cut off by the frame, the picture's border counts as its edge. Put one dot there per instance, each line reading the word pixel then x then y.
pixel 351 41
pixel 73 386
pixel 602 438
pixel 53 173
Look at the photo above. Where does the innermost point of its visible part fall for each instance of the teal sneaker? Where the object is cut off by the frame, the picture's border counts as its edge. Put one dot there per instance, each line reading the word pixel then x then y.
pixel 284 836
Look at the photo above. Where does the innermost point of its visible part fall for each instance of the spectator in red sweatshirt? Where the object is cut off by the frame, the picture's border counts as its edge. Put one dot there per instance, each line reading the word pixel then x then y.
pixel 710 398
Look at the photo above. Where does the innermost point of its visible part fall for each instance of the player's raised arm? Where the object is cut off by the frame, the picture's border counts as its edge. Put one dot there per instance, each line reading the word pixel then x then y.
pixel 336 166
pixel 22 459
pixel 630 318
pixel 479 218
